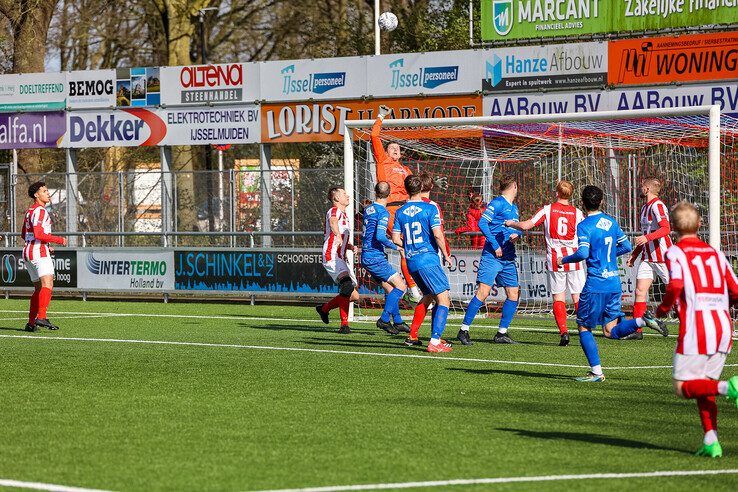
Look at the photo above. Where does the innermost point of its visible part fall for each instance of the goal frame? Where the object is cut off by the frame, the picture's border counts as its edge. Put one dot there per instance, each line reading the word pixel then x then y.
pixel 712 112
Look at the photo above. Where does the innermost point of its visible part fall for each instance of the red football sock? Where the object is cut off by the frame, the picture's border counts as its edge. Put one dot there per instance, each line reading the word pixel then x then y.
pixel 418 316
pixel 344 310
pixel 708 413
pixel 33 311
pixel 700 388
pixel 44 298
pixel 406 273
pixel 560 316
pixel 639 309
pixel 332 304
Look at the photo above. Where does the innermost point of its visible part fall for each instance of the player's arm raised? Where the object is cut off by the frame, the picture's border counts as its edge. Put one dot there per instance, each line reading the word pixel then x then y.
pixel 377 146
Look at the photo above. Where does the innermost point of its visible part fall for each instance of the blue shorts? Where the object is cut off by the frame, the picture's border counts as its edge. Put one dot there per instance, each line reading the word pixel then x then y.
pixel 379 269
pixel 493 270
pixel 431 280
pixel 598 308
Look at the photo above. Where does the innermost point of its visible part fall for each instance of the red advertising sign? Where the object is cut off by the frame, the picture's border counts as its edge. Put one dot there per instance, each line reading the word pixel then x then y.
pixel 665 60
pixel 324 121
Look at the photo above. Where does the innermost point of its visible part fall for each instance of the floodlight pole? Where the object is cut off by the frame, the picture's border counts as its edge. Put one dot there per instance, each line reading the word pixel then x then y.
pixel 377 39
pixel 208 150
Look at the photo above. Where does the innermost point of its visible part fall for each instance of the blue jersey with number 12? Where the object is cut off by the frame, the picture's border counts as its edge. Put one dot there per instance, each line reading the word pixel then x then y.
pixel 415 221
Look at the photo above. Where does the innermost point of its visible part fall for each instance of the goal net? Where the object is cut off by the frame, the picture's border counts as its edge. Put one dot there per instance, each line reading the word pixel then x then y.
pixel 613 152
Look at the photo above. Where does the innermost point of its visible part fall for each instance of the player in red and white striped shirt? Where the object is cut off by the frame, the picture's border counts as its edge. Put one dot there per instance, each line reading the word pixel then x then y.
pixel 702 286
pixel 37 235
pixel 559 221
pixel 650 247
pixel 335 245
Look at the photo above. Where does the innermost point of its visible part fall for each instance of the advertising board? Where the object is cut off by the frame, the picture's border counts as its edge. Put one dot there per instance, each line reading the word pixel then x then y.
pixel 210 84
pixel 13 269
pixel 33 92
pixel 317 79
pixel 32 130
pixel 91 89
pixel 149 270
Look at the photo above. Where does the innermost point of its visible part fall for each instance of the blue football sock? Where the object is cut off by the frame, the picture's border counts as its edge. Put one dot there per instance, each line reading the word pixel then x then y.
pixel 396 316
pixel 471 310
pixel 508 311
pixel 590 348
pixel 391 302
pixel 440 313
pixel 624 328
pixel 433 316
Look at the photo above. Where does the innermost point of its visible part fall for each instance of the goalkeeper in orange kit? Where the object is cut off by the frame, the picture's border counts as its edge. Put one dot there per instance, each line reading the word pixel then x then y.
pixel 390 169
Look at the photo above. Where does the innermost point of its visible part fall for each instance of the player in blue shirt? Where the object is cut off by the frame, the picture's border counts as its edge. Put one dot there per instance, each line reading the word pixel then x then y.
pixel 601 241
pixel 373 259
pixel 497 264
pixel 418 230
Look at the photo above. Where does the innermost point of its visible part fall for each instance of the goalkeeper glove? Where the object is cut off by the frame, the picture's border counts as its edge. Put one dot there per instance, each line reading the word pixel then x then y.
pixel 441 182
pixel 384 111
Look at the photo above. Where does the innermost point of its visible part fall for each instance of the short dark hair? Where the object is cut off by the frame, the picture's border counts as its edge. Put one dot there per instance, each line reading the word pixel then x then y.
pixel 332 192
pixel 382 189
pixel 591 198
pixel 34 188
pixel 506 181
pixel 427 180
pixel 413 185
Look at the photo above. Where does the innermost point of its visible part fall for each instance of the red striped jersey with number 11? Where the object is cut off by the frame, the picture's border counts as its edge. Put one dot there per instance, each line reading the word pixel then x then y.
pixel 703 284
pixel 335 246
pixel 560 227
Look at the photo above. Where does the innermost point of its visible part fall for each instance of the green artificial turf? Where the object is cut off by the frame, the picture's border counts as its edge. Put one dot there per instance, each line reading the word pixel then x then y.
pixel 145 416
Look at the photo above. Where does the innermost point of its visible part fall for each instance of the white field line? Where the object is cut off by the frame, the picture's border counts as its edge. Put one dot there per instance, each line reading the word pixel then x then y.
pixel 323 351
pixel 483 481
pixel 43 486
pixel 291 320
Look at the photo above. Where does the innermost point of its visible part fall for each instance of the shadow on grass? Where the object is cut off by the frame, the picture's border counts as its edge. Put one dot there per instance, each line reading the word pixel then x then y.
pixel 354 343
pixel 592 439
pixel 298 327
pixel 510 372
pixel 7 328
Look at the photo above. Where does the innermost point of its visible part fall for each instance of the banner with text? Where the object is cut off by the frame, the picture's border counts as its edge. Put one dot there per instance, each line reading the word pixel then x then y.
pixel 199 126
pixel 526 19
pixel 32 130
pixel 324 122
pixel 725 95
pixel 550 67
pixel 13 269
pixel 210 84
pixel 666 60
pixel 132 127
pixel 411 74
pixel 326 78
pixel 252 271
pixel 91 89
pixel 148 270
pixel 33 92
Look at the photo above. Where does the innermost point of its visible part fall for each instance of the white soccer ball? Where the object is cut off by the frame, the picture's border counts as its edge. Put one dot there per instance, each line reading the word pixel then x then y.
pixel 388 21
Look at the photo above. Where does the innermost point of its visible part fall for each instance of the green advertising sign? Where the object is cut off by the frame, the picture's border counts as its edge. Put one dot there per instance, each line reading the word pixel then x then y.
pixel 525 19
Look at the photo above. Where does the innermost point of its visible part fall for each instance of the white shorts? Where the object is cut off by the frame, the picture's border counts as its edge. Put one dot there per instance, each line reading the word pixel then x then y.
pixel 338 269
pixel 647 269
pixel 573 281
pixel 39 267
pixel 698 366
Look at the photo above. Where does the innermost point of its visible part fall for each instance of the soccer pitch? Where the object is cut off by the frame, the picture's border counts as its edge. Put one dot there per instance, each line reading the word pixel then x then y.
pixel 186 396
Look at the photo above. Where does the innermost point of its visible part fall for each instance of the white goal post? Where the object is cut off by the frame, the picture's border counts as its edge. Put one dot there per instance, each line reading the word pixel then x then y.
pixel 673 129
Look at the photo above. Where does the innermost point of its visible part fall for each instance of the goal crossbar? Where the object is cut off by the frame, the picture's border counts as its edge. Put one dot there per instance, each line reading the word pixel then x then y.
pixel 711 112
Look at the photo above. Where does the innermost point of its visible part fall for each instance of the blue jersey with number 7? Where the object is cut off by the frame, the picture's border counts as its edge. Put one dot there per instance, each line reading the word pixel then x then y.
pixel 601 241
pixel 415 221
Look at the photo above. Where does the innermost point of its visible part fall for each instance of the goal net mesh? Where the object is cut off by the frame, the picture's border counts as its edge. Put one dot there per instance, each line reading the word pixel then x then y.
pixel 612 154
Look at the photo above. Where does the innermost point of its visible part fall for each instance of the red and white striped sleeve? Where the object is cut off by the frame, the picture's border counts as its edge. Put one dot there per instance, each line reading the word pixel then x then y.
pixel 541 215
